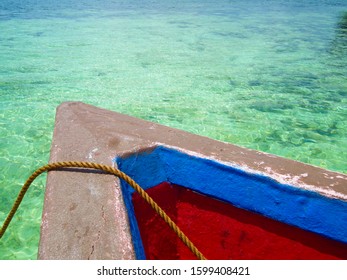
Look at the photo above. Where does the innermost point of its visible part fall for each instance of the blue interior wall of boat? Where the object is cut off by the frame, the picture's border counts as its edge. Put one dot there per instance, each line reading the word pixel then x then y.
pixel 146 169
pixel 134 228
pixel 257 193
pixel 305 209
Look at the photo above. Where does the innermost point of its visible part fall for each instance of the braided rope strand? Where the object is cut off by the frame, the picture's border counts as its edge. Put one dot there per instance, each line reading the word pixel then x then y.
pixel 109 170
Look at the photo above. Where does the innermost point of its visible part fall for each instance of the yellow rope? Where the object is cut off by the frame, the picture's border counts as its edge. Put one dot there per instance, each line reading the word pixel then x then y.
pixel 110 170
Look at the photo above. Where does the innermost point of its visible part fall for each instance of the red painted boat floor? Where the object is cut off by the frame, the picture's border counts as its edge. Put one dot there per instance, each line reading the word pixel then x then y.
pixel 222 231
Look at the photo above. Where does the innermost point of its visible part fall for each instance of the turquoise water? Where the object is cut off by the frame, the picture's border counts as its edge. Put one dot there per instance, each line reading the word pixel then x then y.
pixel 268 75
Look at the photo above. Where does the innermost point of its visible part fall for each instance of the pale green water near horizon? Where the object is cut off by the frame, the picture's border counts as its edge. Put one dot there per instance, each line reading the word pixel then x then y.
pixel 267 75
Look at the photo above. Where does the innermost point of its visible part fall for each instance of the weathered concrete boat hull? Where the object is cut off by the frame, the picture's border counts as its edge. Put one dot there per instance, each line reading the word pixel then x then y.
pixel 84 215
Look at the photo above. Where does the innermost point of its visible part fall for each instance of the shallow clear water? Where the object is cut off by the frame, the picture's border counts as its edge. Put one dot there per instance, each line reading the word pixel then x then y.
pixel 268 75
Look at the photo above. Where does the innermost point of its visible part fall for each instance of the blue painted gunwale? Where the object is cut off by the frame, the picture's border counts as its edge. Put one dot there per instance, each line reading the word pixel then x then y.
pixel 257 193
